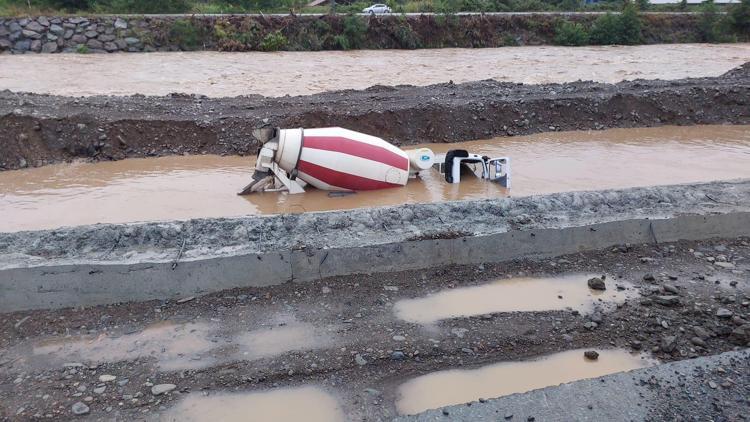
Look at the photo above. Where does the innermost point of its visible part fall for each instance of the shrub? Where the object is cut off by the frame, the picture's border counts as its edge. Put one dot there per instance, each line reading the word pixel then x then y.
pixel 355 30
pixel 273 41
pixel 739 17
pixel 185 34
pixel 82 49
pixel 147 6
pixel 624 28
pixel 571 33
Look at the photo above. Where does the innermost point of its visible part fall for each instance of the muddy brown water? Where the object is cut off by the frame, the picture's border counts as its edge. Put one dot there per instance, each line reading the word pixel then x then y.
pixel 183 187
pixel 451 387
pixel 297 73
pixel 308 403
pixel 520 294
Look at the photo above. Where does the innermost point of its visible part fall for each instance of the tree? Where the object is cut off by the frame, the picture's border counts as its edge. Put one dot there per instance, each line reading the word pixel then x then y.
pixel 739 16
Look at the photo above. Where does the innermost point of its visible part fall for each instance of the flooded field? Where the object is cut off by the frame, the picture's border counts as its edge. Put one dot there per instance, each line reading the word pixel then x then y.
pixel 462 386
pixel 230 74
pixel 512 295
pixel 182 187
pixel 292 404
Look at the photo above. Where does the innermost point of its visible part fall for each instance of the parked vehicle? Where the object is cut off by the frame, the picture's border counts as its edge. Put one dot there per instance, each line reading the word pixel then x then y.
pixel 377 9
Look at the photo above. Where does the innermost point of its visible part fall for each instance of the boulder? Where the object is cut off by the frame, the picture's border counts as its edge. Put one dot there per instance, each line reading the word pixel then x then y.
pixel 34 26
pixel 597 283
pixel 49 47
pixel 121 24
pixel 31 34
pixel 56 29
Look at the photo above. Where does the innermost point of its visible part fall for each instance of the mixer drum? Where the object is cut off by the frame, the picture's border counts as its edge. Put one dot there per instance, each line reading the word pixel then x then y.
pixel 341 159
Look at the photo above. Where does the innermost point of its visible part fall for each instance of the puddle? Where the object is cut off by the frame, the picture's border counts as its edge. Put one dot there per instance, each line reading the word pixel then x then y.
pixel 219 74
pixel 175 347
pixel 451 387
pixel 310 404
pixel 278 340
pixel 183 187
pixel 512 295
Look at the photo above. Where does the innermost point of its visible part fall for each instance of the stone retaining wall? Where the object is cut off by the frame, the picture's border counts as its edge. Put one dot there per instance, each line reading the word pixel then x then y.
pixel 132 33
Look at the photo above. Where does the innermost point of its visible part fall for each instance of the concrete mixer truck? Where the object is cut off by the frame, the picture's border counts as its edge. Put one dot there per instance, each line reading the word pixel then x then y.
pixel 339 159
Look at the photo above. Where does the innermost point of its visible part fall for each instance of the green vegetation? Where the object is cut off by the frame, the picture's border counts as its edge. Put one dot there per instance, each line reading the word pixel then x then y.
pixel 273 41
pixel 572 34
pixel 353 35
pixel 186 34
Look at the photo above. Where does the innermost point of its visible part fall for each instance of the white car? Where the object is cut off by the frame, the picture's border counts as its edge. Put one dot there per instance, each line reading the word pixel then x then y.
pixel 377 9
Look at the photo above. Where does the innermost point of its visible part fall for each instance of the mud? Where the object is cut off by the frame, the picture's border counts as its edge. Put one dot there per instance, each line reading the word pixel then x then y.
pixel 302 73
pixel 180 188
pixel 376 352
pixel 513 295
pixel 294 404
pixel 40 129
pixel 450 387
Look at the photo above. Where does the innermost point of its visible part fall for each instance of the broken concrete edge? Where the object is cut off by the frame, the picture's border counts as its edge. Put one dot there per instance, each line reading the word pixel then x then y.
pixel 93 283
pixel 180 242
pixel 624 396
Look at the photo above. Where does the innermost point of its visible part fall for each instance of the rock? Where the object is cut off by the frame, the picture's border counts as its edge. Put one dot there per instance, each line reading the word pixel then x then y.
pixel 34 26
pixel 649 277
pixel 160 389
pixel 31 34
pixel 120 24
pixel 399 338
pixel 591 354
pixel 106 38
pixel 667 300
pixel 398 355
pixel 724 313
pixel 49 47
pixel 79 408
pixel 5 44
pixel 90 34
pixel 360 360
pixel 670 289
pixel 701 332
pixel 668 344
pixel 740 336
pixel 597 283
pixel 43 21
pixel 725 265
pixel 56 29
pixel 92 43
pixel 698 341
pixel 325 290
pixel 100 390
pixel 24 45
pixel 132 41
pixel 36 45
pixel 121 44
pixel 79 39
pixel 107 378
pixel 597 317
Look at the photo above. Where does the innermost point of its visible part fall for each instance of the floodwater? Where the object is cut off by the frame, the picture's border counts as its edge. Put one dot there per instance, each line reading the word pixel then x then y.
pixel 181 346
pixel 451 387
pixel 310 404
pixel 218 74
pixel 512 295
pixel 174 346
pixel 183 187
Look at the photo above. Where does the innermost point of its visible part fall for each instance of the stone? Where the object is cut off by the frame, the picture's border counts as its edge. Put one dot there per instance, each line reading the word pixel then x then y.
pixel 56 29
pixel 14 27
pixel 4 31
pixel 740 336
pixel 701 332
pixel 724 313
pixel 79 408
pixel 121 24
pixel 34 26
pixel 649 277
pixel 68 34
pixel 36 45
pixel 107 378
pixel 667 300
pixel 5 44
pixel 106 38
pixel 49 47
pixel 96 44
pixel 31 34
pixel 360 360
pixel 591 354
pixel 79 39
pixel 100 390
pixel 52 37
pixel 670 288
pixel 597 283
pixel 725 265
pixel 698 341
pixel 132 40
pixel 399 338
pixel 398 355
pixel 121 44
pixel 668 344
pixel 91 34
pixel 160 389
pixel 42 20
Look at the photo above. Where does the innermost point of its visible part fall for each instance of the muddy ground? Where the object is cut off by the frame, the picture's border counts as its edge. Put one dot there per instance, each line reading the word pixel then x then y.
pixel 38 129
pixel 694 302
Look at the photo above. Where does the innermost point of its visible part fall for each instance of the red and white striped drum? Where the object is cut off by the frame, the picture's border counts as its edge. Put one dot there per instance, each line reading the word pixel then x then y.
pixel 341 159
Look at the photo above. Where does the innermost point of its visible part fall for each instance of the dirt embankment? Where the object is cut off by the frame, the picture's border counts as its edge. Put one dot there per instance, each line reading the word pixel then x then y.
pixel 38 129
